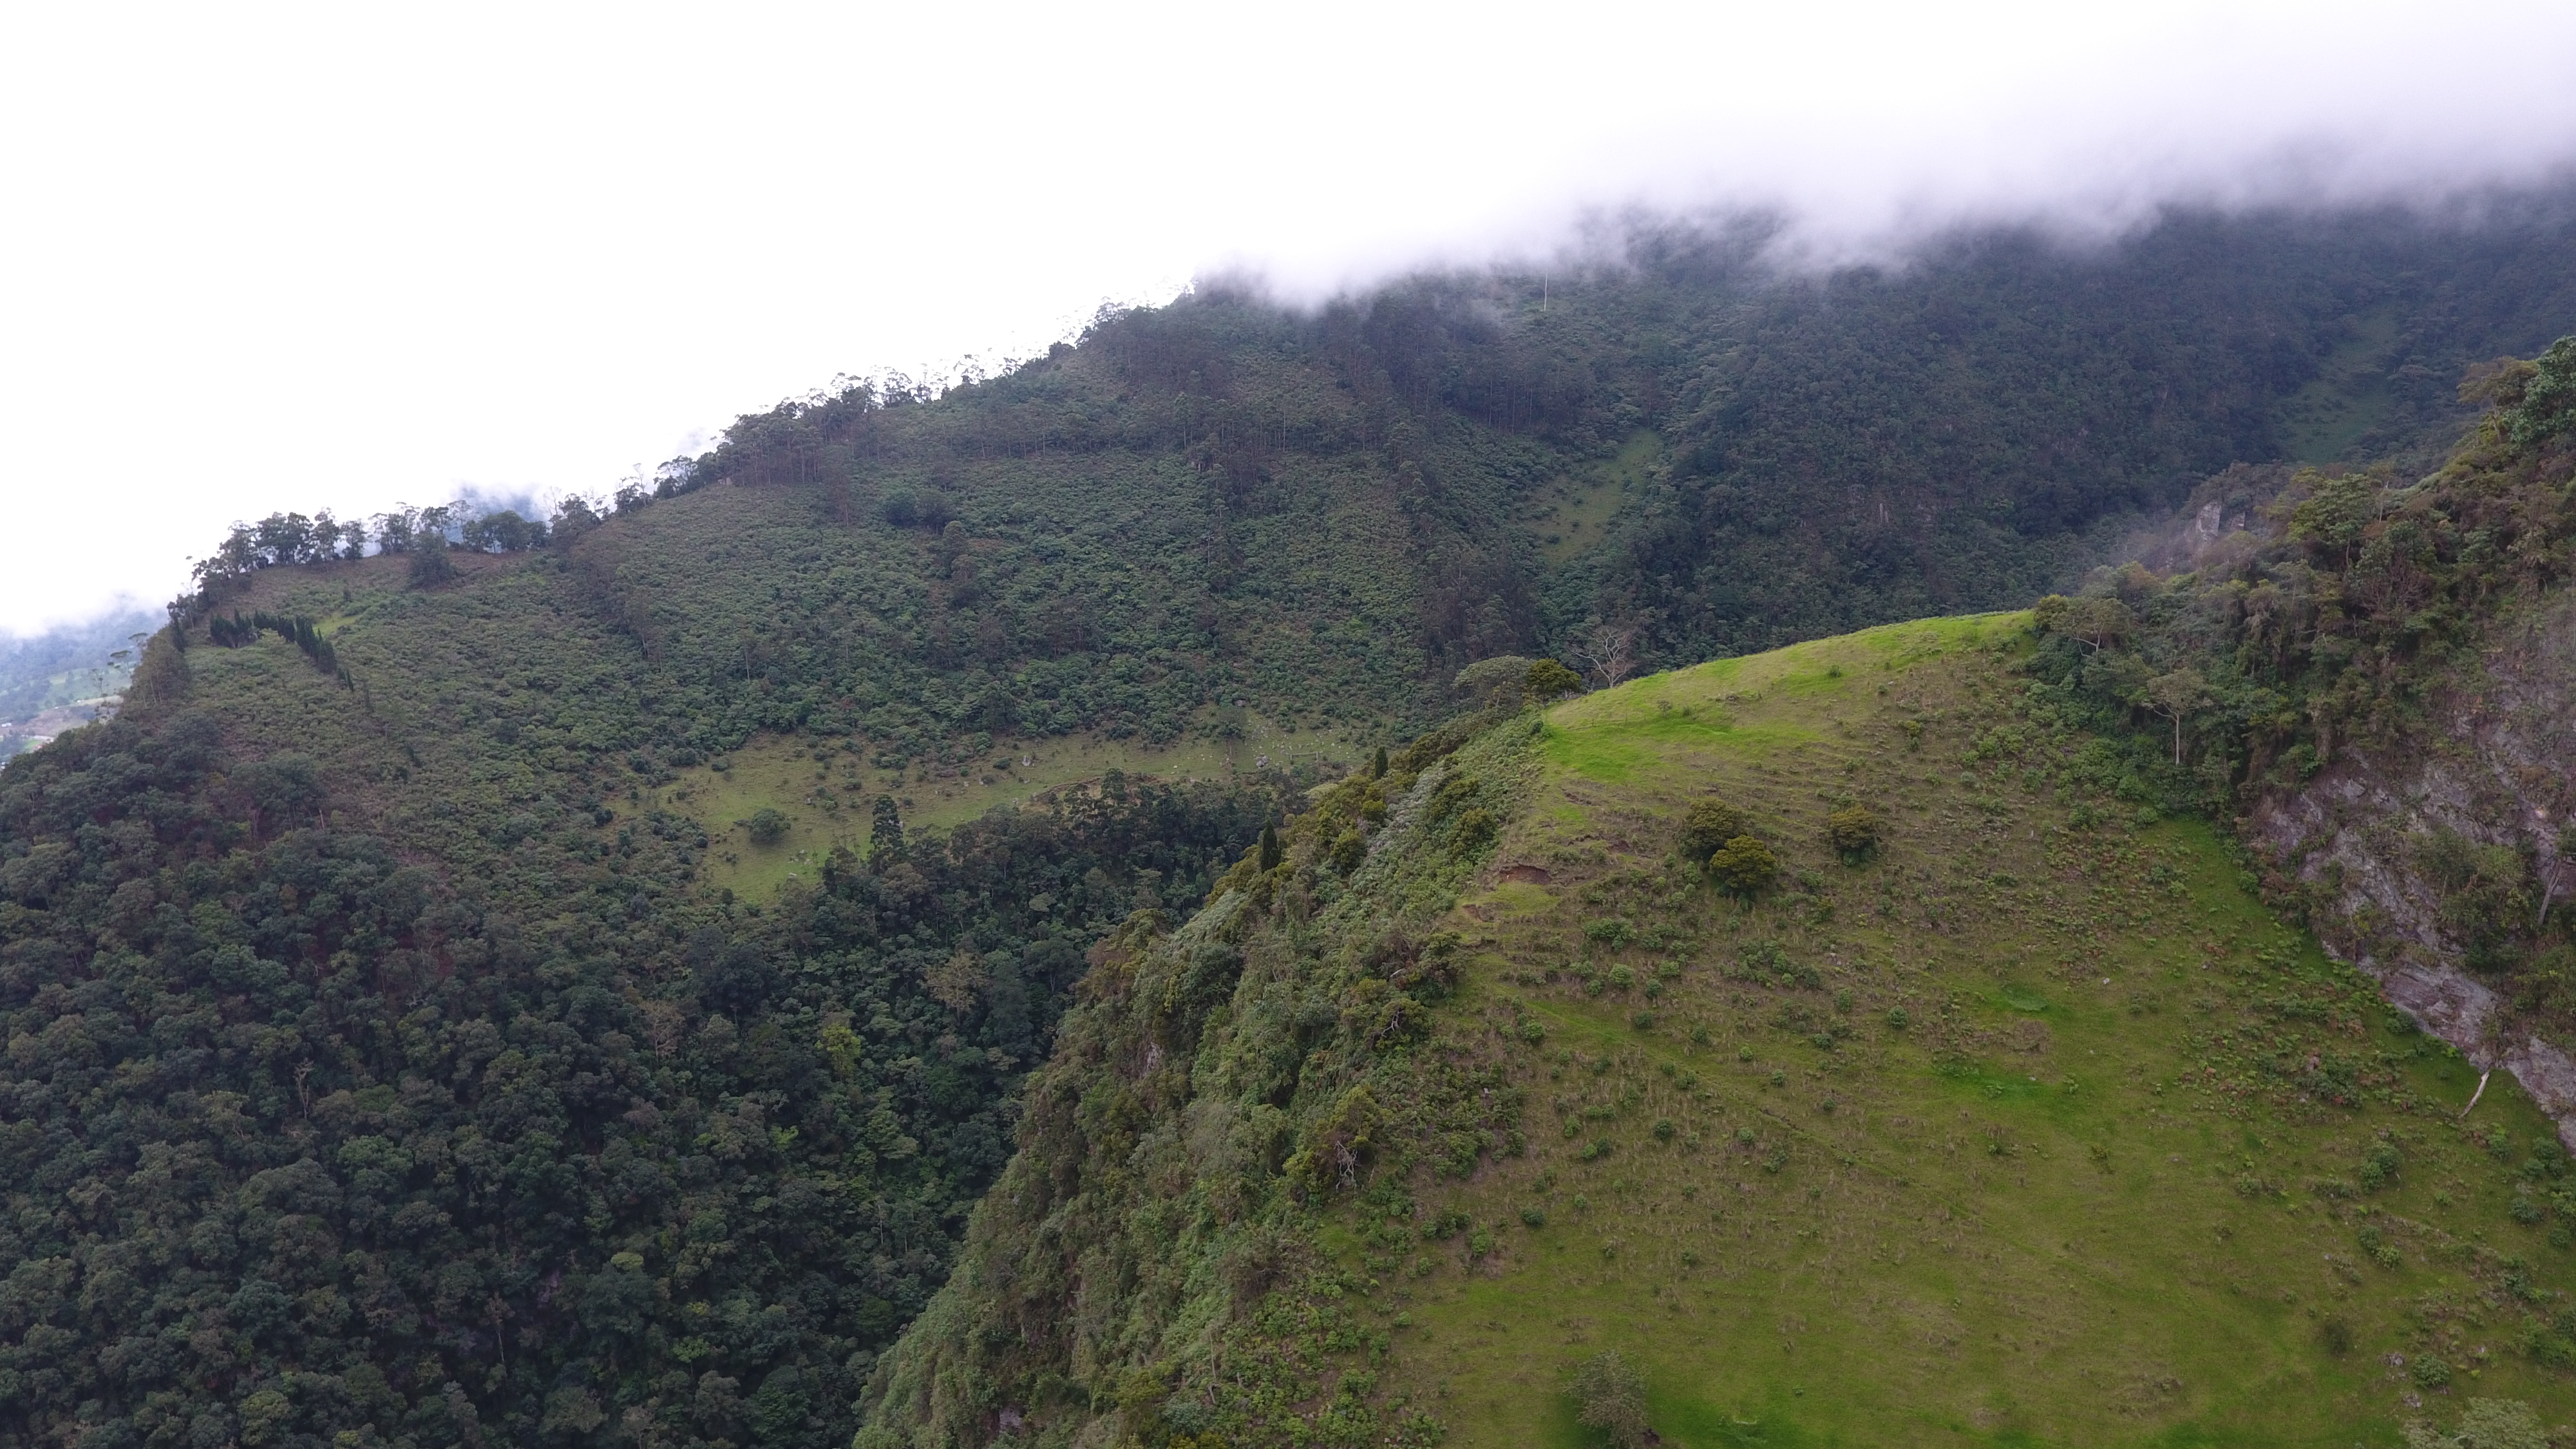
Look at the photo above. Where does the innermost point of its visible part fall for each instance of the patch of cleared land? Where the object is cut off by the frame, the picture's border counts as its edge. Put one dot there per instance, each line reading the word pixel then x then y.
pixel 827 790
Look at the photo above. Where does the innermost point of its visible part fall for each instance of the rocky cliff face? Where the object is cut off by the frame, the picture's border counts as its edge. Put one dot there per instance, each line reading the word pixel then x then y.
pixel 2434 862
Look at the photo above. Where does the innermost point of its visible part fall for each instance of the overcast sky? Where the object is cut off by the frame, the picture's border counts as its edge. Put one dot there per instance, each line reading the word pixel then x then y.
pixel 274 257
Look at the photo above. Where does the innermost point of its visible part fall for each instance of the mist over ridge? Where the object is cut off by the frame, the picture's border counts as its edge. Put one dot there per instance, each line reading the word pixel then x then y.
pixel 583 288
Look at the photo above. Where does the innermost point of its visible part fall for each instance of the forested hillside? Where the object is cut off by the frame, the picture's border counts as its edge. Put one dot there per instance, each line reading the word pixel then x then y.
pixel 1683 453
pixel 306 1139
pixel 493 984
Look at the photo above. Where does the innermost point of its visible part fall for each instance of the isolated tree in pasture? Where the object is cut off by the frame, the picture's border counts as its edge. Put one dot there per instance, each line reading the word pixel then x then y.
pixel 1607 652
pixel 2097 621
pixel 1744 866
pixel 1611 1396
pixel 1709 824
pixel 1852 832
pixel 885 832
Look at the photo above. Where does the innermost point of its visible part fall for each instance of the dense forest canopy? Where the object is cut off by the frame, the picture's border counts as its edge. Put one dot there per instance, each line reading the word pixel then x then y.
pixel 385 1062
pixel 302 1141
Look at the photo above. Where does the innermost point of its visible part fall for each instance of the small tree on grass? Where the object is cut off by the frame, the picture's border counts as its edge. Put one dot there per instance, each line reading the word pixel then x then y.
pixel 768 826
pixel 1608 652
pixel 2095 621
pixel 1853 832
pixel 885 832
pixel 1709 825
pixel 1609 1395
pixel 1743 866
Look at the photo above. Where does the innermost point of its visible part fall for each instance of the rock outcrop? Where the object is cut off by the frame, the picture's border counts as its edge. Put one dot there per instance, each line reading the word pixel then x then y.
pixel 2494 768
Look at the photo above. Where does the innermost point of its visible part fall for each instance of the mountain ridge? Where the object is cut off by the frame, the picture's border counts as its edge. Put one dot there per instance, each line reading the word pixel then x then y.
pixel 500 984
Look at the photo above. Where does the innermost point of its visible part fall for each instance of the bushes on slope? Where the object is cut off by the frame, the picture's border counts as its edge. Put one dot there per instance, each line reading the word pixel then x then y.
pixel 1221 1082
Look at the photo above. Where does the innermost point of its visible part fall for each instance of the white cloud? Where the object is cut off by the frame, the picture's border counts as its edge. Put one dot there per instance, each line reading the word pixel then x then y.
pixel 332 255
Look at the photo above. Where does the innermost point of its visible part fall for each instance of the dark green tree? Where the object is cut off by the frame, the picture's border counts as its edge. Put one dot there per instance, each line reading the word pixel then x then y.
pixel 885 832
pixel 2335 513
pixel 1744 866
pixel 1852 832
pixel 2548 404
pixel 430 565
pixel 1709 824
pixel 1548 679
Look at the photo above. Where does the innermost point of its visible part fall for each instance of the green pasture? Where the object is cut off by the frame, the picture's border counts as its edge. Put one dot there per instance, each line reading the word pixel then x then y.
pixel 2072 1195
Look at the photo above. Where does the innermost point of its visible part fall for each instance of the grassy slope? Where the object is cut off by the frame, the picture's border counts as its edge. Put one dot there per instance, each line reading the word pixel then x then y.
pixel 2064 1204
pixel 1944 1252
pixel 506 692
pixel 2348 400
pixel 1572 515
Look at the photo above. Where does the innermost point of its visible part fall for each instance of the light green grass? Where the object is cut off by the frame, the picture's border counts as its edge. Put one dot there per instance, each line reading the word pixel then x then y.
pixel 1667 721
pixel 2025 1218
